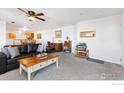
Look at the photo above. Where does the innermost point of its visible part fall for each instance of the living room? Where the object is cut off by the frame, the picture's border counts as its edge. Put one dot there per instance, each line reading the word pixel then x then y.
pixel 98 28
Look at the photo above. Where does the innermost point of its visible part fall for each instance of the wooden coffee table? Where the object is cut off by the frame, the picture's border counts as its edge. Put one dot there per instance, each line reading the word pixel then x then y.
pixel 32 64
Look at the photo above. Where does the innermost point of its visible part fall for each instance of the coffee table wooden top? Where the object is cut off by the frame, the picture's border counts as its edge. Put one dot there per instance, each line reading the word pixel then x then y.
pixel 30 61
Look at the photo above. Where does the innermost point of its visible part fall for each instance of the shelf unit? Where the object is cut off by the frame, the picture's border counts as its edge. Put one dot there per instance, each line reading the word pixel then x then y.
pixel 81 52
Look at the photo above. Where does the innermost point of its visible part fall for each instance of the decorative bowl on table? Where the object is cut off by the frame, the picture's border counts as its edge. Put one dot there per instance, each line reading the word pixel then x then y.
pixel 38 55
pixel 42 55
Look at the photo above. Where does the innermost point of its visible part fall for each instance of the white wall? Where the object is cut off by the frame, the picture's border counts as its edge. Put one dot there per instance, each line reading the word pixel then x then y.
pixel 122 39
pixel 2 33
pixel 47 35
pixel 50 34
pixel 106 45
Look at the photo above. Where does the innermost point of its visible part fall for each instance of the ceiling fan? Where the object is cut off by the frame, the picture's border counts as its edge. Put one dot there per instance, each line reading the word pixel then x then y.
pixel 32 15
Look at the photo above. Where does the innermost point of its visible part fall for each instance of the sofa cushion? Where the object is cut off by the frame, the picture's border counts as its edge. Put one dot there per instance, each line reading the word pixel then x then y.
pixel 23 49
pixel 15 60
pixel 5 51
pixel 13 51
pixel 34 53
pixel 30 48
pixel 23 56
pixel 35 46
pixel 40 48
pixel 12 61
pixel 12 66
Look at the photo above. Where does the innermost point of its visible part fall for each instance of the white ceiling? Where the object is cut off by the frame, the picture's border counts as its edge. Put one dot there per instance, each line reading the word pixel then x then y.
pixel 55 17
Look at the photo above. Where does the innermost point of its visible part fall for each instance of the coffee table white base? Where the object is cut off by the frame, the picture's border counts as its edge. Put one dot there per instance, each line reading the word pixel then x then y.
pixel 38 66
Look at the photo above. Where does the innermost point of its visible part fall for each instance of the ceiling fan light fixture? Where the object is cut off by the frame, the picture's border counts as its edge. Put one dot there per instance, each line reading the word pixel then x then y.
pixel 31 18
pixel 32 15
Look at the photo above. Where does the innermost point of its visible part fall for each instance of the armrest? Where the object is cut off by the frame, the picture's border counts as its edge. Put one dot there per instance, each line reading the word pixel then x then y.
pixel 3 60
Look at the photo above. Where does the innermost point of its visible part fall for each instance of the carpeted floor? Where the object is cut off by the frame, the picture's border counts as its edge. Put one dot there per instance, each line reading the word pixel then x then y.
pixel 72 68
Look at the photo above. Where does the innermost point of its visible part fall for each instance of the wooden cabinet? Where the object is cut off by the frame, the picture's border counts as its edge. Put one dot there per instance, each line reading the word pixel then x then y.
pixel 67 46
pixel 58 46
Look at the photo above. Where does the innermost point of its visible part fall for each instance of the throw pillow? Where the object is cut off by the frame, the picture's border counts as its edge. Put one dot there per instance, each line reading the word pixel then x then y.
pixel 13 51
pixel 30 48
pixel 40 48
pixel 35 46
pixel 23 49
pixel 5 51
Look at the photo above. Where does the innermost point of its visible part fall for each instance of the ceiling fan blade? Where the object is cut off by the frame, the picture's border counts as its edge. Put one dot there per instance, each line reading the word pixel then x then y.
pixel 39 14
pixel 22 11
pixel 40 18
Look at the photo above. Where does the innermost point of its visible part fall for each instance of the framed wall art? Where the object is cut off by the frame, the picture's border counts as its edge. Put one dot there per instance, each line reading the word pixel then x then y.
pixel 58 34
pixel 39 36
pixel 88 34
pixel 11 35
pixel 29 35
